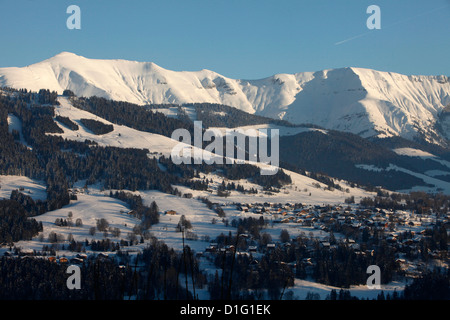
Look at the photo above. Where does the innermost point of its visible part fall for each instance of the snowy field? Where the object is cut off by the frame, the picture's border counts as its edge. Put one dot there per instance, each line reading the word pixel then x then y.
pixel 302 287
pixel 94 203
pixel 29 187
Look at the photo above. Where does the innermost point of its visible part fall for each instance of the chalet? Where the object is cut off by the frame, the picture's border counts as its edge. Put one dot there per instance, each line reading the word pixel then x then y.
pixel 408 242
pixel 212 247
pixel 325 244
pixel 426 221
pixel 414 223
pixel 81 256
pixel 230 248
pixel 63 260
pixel 355 225
pixel 254 264
pixel 243 208
pixel 27 252
pixel 76 261
pixel 170 212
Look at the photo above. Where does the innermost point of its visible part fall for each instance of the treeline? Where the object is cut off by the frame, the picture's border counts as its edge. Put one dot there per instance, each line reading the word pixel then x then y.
pixel 227 171
pixel 337 154
pixel 341 266
pixel 60 162
pixel 31 207
pixel 244 277
pixel 432 285
pixel 44 96
pixel 159 272
pixel 148 215
pixel 218 115
pixel 131 115
pixel 418 201
pixel 15 223
pixel 233 186
pixel 67 122
pixel 337 265
pixel 41 279
pixel 251 226
pixel 171 274
pixel 97 127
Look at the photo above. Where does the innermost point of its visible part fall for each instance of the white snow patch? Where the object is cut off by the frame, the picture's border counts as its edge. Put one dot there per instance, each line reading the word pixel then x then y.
pixel 411 152
pixel 35 189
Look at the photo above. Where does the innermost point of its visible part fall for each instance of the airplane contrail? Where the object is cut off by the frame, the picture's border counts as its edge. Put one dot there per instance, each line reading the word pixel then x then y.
pixel 391 25
pixel 352 38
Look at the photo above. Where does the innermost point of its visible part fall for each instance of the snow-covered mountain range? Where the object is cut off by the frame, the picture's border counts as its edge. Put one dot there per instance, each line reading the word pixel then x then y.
pixel 361 101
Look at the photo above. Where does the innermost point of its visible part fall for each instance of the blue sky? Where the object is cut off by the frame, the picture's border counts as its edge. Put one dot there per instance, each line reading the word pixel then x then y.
pixel 245 39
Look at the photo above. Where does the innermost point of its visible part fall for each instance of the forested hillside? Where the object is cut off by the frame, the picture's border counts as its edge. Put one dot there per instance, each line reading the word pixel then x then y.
pixel 60 162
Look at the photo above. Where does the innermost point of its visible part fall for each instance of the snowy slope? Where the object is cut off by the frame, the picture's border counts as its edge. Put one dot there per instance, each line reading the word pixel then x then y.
pixel 369 102
pixel 35 189
pixel 125 137
pixel 94 203
pixel 361 101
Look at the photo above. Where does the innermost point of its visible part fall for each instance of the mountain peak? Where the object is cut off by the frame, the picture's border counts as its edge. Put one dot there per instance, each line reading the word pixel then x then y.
pixel 66 53
pixel 358 100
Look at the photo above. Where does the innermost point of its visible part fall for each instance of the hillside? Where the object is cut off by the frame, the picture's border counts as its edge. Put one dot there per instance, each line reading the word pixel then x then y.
pixel 112 202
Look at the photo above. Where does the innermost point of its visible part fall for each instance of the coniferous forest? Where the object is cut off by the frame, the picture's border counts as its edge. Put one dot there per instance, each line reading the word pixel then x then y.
pixel 159 272
pixel 60 163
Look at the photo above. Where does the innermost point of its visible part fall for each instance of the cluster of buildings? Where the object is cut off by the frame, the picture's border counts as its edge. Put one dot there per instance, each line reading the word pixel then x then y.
pixel 354 219
pixel 320 217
